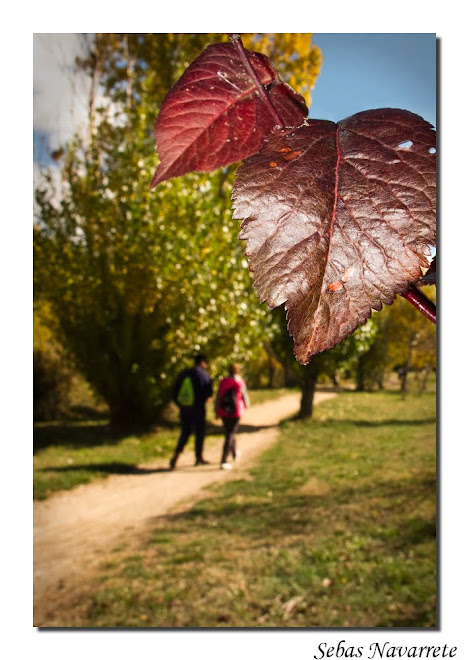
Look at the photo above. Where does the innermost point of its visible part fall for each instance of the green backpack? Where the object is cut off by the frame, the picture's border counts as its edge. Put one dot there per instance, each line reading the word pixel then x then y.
pixel 185 395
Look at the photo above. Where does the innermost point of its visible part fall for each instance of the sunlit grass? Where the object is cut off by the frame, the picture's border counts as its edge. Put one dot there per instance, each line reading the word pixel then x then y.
pixel 80 456
pixel 335 527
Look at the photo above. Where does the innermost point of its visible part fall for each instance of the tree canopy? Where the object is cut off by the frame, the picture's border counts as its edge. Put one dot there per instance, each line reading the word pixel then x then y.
pixel 140 280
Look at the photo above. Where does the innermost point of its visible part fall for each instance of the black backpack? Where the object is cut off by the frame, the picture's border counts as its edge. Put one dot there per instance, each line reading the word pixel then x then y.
pixel 229 401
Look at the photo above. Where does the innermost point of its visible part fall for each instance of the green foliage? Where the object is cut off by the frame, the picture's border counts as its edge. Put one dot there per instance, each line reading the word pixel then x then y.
pixel 51 386
pixel 144 287
pixel 404 339
pixel 411 338
pixel 139 281
pixel 340 359
pixel 52 371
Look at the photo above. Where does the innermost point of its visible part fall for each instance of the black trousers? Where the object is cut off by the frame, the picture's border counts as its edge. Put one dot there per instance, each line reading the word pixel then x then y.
pixel 192 421
pixel 230 425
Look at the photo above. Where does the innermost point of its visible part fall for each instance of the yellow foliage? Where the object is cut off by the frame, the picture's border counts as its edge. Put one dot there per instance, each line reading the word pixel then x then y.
pixel 294 55
pixel 412 337
pixel 44 327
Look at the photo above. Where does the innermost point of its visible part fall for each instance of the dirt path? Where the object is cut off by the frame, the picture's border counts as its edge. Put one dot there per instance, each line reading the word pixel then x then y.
pixel 74 529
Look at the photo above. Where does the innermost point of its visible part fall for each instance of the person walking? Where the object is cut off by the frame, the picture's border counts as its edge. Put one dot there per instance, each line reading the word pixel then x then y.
pixel 192 389
pixel 231 400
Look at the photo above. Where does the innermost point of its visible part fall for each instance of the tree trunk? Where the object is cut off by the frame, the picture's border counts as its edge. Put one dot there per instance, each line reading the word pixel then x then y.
pixel 129 72
pixel 127 413
pixel 271 371
pixel 308 387
pixel 423 379
pixel 403 379
pixel 271 368
pixel 95 75
pixel 129 406
pixel 360 377
pixel 335 380
pixel 380 381
pixel 405 369
pixel 289 378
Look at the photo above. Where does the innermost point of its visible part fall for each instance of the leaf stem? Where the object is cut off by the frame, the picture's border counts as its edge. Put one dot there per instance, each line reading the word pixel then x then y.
pixel 238 44
pixel 421 302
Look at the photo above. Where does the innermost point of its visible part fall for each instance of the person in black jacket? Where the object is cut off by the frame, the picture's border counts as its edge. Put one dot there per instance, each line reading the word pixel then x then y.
pixel 193 417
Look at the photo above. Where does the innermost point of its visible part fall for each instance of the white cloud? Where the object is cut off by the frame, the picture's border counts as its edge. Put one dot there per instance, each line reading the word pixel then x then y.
pixel 60 92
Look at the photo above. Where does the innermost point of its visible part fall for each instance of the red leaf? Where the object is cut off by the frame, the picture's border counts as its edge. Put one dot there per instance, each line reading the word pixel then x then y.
pixel 338 219
pixel 214 115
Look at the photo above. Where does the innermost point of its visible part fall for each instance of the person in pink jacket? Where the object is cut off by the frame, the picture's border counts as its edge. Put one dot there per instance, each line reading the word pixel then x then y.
pixel 230 403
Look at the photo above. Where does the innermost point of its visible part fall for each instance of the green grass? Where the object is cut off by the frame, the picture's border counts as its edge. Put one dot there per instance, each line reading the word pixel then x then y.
pixel 70 453
pixel 73 454
pixel 334 528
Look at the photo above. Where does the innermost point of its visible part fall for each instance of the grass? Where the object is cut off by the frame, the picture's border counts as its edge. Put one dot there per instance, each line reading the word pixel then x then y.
pixel 78 453
pixel 334 528
pixel 70 453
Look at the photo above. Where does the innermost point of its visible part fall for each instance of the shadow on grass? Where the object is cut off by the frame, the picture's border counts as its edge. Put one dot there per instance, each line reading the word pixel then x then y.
pixel 76 435
pixel 106 468
pixel 301 514
pixel 383 422
pixel 87 412
pixel 94 433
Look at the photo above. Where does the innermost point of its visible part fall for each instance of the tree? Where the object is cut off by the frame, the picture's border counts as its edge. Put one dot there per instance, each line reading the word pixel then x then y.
pixel 52 372
pixel 412 341
pixel 403 340
pixel 343 356
pixel 139 280
pixel 372 363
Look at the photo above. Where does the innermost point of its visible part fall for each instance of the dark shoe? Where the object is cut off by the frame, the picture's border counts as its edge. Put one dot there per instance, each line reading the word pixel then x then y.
pixel 201 461
pixel 172 462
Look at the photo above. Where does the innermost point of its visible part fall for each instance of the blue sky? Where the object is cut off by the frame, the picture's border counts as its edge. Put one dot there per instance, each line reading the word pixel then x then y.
pixel 370 70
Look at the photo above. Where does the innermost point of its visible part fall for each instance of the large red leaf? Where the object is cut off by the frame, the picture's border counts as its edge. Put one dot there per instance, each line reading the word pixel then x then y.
pixel 338 219
pixel 214 114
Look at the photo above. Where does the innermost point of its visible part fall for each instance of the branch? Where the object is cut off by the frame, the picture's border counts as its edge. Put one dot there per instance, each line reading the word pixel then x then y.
pixel 421 302
pixel 238 44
